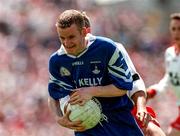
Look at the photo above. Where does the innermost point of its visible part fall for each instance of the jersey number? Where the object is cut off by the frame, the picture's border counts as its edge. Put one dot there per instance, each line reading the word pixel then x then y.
pixel 175 79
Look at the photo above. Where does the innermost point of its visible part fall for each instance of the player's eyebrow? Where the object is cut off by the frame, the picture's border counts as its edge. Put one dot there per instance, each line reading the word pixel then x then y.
pixel 69 37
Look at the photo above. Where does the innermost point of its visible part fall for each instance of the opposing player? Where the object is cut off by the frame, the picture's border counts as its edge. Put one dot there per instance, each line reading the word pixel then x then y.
pixel 145 116
pixel 92 67
pixel 172 71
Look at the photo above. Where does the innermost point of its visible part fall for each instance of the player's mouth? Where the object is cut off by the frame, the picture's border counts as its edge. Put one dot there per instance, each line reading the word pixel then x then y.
pixel 177 38
pixel 69 47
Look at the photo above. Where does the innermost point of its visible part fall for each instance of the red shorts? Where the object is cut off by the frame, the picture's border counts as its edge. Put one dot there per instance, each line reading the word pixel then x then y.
pixel 176 124
pixel 150 111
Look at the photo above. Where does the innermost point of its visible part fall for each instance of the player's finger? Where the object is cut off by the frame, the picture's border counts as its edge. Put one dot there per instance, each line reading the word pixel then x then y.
pixel 140 116
pixel 77 101
pixel 81 129
pixel 68 112
pixel 144 118
pixel 76 125
pixel 74 98
pixel 74 95
pixel 81 103
pixel 78 128
pixel 147 119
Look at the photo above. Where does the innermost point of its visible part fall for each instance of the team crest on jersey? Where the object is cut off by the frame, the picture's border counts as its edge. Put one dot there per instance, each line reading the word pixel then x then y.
pixel 96 70
pixel 64 71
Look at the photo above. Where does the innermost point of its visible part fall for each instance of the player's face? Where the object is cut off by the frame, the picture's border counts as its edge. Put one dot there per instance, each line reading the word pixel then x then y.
pixel 175 30
pixel 72 39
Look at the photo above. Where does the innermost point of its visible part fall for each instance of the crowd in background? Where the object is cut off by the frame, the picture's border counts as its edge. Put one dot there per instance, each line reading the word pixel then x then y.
pixel 28 37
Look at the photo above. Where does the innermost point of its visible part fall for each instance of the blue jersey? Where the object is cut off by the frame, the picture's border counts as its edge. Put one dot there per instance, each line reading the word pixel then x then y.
pixel 100 64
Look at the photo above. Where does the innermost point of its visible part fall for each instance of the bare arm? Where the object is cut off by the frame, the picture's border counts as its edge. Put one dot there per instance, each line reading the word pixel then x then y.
pixel 54 106
pixel 81 95
pixel 139 99
pixel 107 91
pixel 61 119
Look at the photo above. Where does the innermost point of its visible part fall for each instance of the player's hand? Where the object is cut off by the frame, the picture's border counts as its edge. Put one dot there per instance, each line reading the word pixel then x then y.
pixel 151 93
pixel 80 96
pixel 143 116
pixel 65 122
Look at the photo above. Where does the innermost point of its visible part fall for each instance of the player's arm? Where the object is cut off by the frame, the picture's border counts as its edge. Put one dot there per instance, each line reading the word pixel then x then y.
pixel 138 83
pixel 61 119
pixel 138 92
pixel 163 84
pixel 58 88
pixel 54 106
pixel 119 71
pixel 107 91
pixel 81 95
pixel 138 96
pixel 140 111
pixel 139 99
pixel 159 87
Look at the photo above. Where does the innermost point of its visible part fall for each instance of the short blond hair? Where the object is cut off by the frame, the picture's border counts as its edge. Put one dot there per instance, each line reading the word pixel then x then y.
pixel 69 17
pixel 175 16
pixel 86 19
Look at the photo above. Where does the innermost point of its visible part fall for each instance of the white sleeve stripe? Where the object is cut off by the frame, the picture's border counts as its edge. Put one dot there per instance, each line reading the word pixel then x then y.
pixel 60 83
pixel 114 57
pixel 118 71
pixel 125 72
pixel 120 76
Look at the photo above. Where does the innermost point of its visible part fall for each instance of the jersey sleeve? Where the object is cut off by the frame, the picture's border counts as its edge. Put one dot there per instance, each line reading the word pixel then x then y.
pixel 164 83
pixel 58 86
pixel 119 71
pixel 138 83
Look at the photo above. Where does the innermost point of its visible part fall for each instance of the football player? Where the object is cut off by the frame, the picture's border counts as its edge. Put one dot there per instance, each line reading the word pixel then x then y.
pixel 172 71
pixel 91 67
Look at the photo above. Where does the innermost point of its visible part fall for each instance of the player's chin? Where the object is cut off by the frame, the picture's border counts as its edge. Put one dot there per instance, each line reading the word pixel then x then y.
pixel 71 51
pixel 177 39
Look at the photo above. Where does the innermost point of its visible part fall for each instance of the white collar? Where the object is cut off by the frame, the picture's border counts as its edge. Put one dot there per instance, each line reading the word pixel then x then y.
pixel 90 39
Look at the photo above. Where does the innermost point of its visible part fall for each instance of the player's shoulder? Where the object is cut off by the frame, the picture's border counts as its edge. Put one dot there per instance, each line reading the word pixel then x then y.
pixel 57 54
pixel 100 40
pixel 53 55
pixel 170 51
pixel 120 46
pixel 105 41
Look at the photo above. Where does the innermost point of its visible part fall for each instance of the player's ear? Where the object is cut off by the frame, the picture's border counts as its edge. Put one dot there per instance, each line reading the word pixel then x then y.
pixel 84 32
pixel 88 30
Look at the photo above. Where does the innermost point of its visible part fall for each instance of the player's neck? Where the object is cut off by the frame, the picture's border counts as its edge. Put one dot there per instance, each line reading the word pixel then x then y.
pixel 177 49
pixel 84 47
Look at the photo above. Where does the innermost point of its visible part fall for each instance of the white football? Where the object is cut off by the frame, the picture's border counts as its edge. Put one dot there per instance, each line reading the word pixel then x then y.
pixel 89 113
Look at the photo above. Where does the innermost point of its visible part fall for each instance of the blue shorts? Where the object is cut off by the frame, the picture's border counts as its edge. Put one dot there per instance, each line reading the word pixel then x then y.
pixel 120 123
